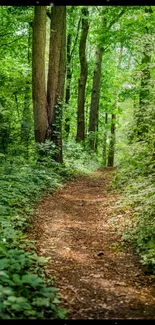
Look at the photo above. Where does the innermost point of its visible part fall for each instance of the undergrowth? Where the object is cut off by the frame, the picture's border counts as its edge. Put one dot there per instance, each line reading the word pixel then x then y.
pixel 136 180
pixel 79 159
pixel 25 292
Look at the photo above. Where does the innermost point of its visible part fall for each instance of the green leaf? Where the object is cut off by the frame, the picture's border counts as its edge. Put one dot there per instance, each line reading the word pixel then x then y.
pixel 16 279
pixel 4 274
pixel 41 302
pixel 31 279
pixel 12 299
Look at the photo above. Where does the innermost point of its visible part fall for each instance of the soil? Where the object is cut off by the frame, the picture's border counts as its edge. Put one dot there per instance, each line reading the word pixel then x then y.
pixel 96 277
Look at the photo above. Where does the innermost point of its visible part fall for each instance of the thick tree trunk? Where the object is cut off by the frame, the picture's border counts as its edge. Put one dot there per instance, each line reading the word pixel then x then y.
pixel 83 77
pixel 56 77
pixel 38 73
pixel 95 98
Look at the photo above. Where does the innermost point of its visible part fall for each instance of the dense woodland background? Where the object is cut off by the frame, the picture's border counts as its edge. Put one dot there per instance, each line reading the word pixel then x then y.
pixel 77 92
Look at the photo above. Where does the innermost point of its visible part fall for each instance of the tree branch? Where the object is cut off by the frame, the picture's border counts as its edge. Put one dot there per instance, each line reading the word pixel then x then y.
pixel 1 35
pixel 13 41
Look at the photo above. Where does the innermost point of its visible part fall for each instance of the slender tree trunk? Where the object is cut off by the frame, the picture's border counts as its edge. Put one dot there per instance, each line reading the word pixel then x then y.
pixel 144 98
pixel 145 93
pixel 56 77
pixel 105 141
pixel 96 86
pixel 97 137
pixel 129 62
pixel 120 56
pixel 29 45
pixel 112 139
pixel 70 53
pixel 17 106
pixel 83 77
pixel 68 82
pixel 26 118
pixel 111 152
pixel 95 98
pixel 38 73
pixel 26 121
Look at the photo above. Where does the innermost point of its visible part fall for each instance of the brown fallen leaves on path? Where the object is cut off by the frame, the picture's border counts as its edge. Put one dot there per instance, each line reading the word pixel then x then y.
pixel 95 279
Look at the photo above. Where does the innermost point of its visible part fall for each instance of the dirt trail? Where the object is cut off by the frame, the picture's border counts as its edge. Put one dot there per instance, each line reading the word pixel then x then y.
pixel 95 280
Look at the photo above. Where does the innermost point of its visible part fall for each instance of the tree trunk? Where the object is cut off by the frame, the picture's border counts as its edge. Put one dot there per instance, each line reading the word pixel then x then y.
pixel 144 98
pixel 145 93
pixel 95 98
pixel 105 141
pixel 68 82
pixel 111 152
pixel 29 47
pixel 96 135
pixel 129 62
pixel 112 139
pixel 26 121
pixel 83 77
pixel 69 73
pixel 120 56
pixel 56 77
pixel 38 73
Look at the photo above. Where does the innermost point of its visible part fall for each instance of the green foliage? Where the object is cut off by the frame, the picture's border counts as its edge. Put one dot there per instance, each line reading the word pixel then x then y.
pixel 25 292
pixel 27 171
pixel 135 179
pixel 78 159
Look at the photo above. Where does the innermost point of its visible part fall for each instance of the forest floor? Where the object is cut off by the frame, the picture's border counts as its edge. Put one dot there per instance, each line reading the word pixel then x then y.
pixel 96 277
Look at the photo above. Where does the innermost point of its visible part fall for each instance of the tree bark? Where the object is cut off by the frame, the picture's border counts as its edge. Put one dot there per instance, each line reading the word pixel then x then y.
pixel 56 77
pixel 144 98
pixel 69 73
pixel 83 77
pixel 95 98
pixel 111 152
pixel 38 73
pixel 68 82
pixel 112 139
pixel 145 93
pixel 26 121
pixel 105 141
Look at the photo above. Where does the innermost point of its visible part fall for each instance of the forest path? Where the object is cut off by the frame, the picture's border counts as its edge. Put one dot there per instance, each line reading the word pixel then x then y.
pixel 95 278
